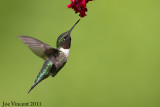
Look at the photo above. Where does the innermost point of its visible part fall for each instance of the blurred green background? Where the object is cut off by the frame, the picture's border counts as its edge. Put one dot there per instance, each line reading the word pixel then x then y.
pixel 114 59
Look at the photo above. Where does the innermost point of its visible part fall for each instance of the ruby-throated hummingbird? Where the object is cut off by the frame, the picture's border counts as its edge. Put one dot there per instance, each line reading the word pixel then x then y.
pixel 55 58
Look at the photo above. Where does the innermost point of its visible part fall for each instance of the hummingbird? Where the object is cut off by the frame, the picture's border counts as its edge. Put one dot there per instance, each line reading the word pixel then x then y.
pixel 55 58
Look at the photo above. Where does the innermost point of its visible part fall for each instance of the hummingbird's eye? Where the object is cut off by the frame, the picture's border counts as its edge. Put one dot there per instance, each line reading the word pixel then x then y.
pixel 65 37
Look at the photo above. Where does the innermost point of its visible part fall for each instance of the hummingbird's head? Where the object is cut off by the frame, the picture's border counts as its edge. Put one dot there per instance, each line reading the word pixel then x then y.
pixel 64 40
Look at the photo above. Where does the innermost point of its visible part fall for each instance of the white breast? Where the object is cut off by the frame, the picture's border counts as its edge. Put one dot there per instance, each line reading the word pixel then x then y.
pixel 65 51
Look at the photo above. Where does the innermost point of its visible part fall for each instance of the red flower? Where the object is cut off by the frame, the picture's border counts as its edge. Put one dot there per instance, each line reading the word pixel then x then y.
pixel 79 6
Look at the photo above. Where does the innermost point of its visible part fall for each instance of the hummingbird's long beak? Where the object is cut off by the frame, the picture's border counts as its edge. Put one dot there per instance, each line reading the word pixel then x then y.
pixel 73 26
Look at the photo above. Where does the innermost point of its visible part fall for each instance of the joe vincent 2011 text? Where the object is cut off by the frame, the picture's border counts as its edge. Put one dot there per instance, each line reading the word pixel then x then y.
pixel 20 104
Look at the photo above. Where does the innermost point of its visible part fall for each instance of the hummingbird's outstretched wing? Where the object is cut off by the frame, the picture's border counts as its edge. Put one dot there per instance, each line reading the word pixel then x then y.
pixel 35 45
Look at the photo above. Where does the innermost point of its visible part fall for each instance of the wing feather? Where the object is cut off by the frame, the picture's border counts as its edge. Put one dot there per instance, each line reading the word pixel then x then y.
pixel 36 46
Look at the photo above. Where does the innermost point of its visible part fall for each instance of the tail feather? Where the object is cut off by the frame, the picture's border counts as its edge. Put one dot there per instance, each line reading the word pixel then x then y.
pixel 44 73
pixel 32 87
pixel 37 81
